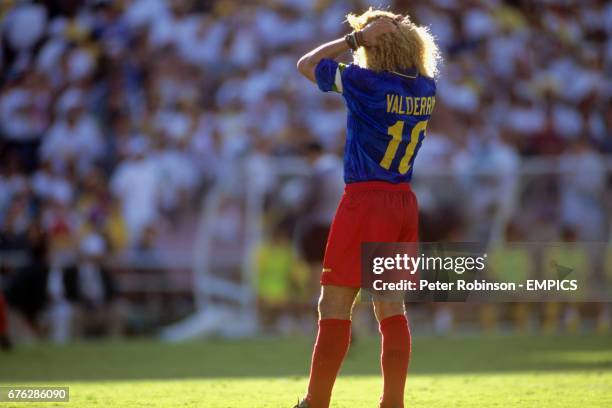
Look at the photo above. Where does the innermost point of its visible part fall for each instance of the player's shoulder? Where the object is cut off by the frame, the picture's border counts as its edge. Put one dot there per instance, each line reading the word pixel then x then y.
pixel 353 71
pixel 390 78
pixel 335 76
pixel 410 82
pixel 332 75
pixel 427 83
pixel 364 79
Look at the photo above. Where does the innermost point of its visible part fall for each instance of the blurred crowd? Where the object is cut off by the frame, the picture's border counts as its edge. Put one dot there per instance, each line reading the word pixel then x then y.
pixel 116 116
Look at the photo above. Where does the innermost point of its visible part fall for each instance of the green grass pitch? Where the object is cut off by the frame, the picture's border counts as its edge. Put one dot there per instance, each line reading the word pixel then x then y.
pixel 489 371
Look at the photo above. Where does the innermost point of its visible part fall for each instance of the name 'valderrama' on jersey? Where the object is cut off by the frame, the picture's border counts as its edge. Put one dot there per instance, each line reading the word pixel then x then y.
pixel 387 117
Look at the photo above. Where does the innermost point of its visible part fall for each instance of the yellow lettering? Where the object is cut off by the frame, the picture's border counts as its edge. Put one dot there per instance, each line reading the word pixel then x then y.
pixel 389 101
pixel 404 165
pixel 409 105
pixel 395 132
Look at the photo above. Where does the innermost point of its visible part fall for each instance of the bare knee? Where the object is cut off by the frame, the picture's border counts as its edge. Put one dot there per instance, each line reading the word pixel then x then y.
pixel 382 309
pixel 336 302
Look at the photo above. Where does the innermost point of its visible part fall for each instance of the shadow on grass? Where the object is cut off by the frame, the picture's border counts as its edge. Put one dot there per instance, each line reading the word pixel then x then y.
pixel 148 360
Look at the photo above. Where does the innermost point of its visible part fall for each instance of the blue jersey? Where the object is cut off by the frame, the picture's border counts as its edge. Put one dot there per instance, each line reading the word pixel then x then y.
pixel 387 118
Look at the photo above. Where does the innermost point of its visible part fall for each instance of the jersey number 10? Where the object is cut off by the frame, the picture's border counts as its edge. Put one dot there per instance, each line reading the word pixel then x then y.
pixel 395 132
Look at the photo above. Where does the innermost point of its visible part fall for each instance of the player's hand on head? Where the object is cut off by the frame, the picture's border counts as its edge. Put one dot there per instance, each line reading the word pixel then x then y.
pixel 377 28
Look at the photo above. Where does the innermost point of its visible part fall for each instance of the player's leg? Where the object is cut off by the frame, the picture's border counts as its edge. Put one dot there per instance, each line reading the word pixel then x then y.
pixel 333 338
pixel 336 302
pixel 395 353
pixel 393 326
pixel 340 284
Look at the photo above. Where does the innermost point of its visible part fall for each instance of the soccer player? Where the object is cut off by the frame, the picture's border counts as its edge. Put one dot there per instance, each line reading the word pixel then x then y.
pixel 389 91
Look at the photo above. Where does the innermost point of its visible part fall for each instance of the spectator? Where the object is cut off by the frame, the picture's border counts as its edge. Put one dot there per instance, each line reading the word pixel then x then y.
pixel 135 183
pixel 75 137
pixel 87 303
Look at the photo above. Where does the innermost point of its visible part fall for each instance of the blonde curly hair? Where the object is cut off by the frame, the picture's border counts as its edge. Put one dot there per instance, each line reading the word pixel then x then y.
pixel 410 46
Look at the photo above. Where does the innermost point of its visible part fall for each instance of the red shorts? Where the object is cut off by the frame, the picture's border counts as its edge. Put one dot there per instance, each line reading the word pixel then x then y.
pixel 372 211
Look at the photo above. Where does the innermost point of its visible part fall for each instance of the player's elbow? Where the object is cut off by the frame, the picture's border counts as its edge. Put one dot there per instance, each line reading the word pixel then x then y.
pixel 302 64
pixel 306 67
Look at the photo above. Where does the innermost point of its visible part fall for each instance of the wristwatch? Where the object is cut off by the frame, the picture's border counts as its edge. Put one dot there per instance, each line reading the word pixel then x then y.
pixel 354 40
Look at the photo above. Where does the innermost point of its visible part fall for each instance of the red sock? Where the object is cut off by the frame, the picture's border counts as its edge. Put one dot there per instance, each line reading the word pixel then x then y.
pixel 394 360
pixel 327 356
pixel 3 317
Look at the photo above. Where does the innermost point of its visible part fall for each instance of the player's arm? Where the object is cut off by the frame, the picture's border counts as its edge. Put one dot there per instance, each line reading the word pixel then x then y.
pixel 333 49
